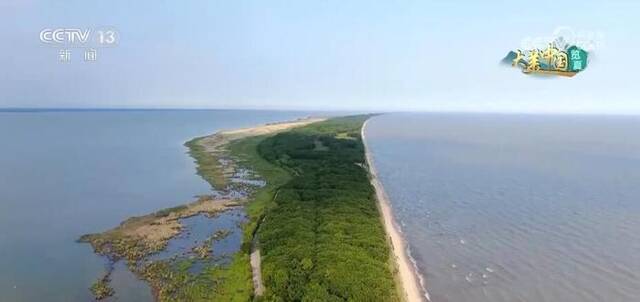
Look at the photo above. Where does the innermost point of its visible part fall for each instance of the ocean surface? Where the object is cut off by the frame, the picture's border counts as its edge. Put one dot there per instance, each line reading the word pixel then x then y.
pixel 516 207
pixel 67 173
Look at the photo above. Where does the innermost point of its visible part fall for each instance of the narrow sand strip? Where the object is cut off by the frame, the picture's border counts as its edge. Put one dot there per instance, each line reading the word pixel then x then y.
pixel 410 279
pixel 256 271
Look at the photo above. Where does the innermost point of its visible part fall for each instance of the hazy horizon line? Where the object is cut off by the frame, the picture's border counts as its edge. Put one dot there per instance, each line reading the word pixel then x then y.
pixel 355 110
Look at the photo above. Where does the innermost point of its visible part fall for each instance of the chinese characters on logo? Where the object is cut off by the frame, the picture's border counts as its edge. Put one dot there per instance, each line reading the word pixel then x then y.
pixel 84 42
pixel 554 60
pixel 64 56
pixel 90 55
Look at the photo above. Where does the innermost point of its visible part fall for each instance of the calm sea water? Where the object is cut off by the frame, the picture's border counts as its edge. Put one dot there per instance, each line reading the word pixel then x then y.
pixel 515 207
pixel 64 174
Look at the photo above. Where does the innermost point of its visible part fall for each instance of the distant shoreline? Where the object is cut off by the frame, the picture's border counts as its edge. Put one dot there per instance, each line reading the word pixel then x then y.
pixel 410 279
pixel 32 110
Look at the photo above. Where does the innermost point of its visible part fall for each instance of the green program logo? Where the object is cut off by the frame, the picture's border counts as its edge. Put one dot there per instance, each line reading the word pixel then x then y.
pixel 552 61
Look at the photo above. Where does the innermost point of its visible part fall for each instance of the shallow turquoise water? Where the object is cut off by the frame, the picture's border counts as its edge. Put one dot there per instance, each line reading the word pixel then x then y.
pixel 64 174
pixel 516 207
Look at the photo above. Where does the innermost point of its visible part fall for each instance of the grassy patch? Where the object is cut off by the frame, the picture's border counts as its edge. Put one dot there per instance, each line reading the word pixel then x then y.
pixel 346 135
pixel 215 283
pixel 246 153
pixel 207 164
pixel 101 289
pixel 232 282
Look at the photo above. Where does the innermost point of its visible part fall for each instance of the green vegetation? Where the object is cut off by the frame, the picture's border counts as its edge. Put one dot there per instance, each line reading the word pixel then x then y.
pixel 207 164
pixel 322 238
pixel 101 289
pixel 246 153
pixel 316 219
pixel 232 282
pixel 172 280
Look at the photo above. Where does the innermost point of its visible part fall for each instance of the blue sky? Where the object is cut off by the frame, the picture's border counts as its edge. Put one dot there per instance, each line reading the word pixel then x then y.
pixel 366 55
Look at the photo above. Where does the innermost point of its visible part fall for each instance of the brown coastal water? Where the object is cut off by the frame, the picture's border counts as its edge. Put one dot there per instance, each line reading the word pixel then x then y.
pixel 516 207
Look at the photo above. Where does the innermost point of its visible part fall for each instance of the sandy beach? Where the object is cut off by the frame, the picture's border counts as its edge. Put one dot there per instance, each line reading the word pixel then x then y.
pixel 410 279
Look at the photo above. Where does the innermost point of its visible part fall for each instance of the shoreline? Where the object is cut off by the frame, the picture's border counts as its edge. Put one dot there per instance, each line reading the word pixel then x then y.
pixel 410 279
pixel 137 238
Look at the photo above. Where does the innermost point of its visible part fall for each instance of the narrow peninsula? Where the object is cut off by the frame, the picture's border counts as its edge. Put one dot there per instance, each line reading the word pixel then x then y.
pixel 312 228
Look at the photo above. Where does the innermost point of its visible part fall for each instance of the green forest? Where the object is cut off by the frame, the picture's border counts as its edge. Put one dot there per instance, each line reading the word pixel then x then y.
pixel 322 238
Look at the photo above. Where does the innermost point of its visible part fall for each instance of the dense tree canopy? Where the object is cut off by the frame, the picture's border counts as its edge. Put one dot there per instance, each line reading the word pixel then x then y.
pixel 323 240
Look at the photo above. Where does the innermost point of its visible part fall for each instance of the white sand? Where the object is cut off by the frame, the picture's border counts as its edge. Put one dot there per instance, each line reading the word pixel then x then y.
pixel 409 277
